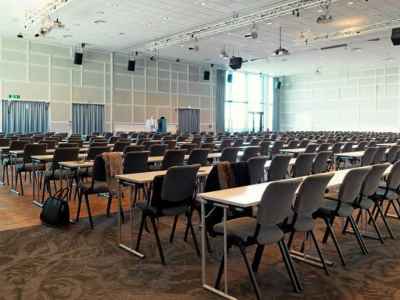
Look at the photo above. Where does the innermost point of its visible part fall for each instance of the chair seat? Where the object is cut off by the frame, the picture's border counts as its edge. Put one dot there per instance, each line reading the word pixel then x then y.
pixel 329 207
pixel 366 203
pixel 332 195
pixel 245 228
pixel 170 211
pixel 304 224
pixel 98 187
pixel 28 167
pixel 382 195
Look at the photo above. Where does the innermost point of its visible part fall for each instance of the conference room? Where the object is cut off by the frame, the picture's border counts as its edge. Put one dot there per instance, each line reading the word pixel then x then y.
pixel 200 149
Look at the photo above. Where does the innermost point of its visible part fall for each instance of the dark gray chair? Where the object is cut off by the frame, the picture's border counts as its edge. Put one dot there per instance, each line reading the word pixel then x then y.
pixel 94 151
pixel 188 147
pixel 303 165
pixel 323 147
pixel 264 230
pixel 198 156
pixel 68 145
pixel 276 148
pixel 229 154
pixel 311 148
pixel 136 162
pixel 278 169
pixel 303 143
pixel 134 148
pixel 256 167
pixel 348 147
pixel 292 144
pixel 173 158
pixel 264 148
pixel 157 150
pixel 308 201
pixel 250 152
pixel 225 143
pixel 362 146
pixel 120 146
pixel 368 157
pixel 380 155
pixel 238 143
pixel 393 154
pixel 321 162
pixel 173 195
pixel 341 205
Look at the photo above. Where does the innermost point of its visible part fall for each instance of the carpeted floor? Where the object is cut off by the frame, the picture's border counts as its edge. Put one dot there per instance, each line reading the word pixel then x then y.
pixel 77 263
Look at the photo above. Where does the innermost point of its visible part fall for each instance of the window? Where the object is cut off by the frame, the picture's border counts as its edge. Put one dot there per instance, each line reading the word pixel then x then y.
pixel 246 101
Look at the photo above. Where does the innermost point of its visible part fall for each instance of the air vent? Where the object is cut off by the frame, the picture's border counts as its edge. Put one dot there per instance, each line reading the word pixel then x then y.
pixel 334 47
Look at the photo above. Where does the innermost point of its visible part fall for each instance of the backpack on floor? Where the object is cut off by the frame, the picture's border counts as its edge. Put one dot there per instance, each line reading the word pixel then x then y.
pixel 55 210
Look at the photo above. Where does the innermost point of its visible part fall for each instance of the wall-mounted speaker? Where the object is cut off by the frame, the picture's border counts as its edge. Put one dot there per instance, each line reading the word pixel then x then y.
pixel 230 78
pixel 131 65
pixel 206 75
pixel 78 58
pixel 396 36
pixel 279 85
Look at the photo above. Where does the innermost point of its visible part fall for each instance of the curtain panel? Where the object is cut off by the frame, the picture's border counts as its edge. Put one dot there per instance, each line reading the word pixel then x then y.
pixel 220 101
pixel 87 118
pixel 25 116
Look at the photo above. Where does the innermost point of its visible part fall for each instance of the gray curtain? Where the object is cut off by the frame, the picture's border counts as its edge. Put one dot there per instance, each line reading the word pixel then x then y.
pixel 87 118
pixel 276 101
pixel 188 120
pixel 25 116
pixel 220 101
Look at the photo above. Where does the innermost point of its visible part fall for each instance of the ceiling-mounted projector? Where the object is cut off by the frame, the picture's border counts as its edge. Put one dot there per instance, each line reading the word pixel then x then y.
pixel 281 52
pixel 235 62
pixel 324 19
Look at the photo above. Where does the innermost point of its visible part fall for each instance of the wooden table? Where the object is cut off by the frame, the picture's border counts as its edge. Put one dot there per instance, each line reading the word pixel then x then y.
pixel 141 179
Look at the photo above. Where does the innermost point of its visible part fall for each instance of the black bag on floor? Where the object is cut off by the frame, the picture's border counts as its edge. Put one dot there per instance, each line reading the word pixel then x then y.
pixel 55 210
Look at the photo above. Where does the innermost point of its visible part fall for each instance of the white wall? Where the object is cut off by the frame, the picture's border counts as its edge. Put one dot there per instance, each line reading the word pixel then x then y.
pixel 366 99
pixel 43 72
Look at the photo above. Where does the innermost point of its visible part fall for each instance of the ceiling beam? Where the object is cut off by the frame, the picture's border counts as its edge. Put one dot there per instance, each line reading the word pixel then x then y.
pixel 281 8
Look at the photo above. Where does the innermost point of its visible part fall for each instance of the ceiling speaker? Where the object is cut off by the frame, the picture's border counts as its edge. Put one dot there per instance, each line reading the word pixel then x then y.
pixel 78 58
pixel 235 62
pixel 396 36
pixel 206 75
pixel 131 65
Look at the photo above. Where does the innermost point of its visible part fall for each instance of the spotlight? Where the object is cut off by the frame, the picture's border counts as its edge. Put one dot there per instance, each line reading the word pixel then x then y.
pixel 152 58
pixel 253 33
pixel 20 36
pixel 178 60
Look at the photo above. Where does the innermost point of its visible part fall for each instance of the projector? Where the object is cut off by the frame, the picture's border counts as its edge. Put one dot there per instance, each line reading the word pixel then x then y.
pixel 324 19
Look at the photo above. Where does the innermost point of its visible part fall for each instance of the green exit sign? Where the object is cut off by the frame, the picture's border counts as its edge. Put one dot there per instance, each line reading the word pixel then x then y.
pixel 14 97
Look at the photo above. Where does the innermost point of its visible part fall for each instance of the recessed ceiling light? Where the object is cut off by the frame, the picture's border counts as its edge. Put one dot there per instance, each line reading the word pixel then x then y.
pixel 350 3
pixel 100 22
pixel 203 4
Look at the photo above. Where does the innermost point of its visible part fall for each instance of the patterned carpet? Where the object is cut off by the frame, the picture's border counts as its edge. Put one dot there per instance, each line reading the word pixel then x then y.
pixel 77 263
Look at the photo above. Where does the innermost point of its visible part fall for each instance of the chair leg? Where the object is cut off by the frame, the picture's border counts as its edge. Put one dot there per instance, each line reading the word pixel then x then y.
pixel 220 273
pixel 20 183
pixel 326 235
pixel 385 222
pixel 109 205
pixel 153 222
pixel 257 257
pixel 88 210
pixel 251 273
pixel 290 241
pixel 375 226
pixel 358 235
pixel 78 211
pixel 142 222
pixel 335 241
pixel 171 237
pixel 289 266
pixel 196 244
pixel 321 256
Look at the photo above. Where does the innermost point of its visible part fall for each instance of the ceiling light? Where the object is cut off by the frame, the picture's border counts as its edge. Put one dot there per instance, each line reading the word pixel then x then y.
pixel 350 3
pixel 280 51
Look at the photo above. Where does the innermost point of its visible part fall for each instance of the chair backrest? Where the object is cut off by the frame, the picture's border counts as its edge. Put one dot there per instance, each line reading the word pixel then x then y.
pixel 352 183
pixel 18 145
pixel 68 145
pixel 256 167
pixel 94 151
pixel 173 158
pixel 4 142
pixel 120 146
pixel 393 153
pixel 198 156
pixel 337 148
pixel 320 164
pixel 250 152
pixel 179 183
pixel 303 165
pixel 311 148
pixel 99 169
pixel 393 179
pixel 157 150
pixel 279 167
pixel 362 145
pixel 99 144
pixel 380 155
pixel 276 203
pixel 310 195
pixel 65 154
pixel 229 154
pixel 188 147
pixel 171 144
pixel 264 148
pixel 374 177
pixel 323 147
pixel 368 156
pixel 276 147
pixel 238 143
pixel 292 144
pixel 33 149
pixel 133 148
pixel 225 143
pixel 303 143
pixel 136 162
pixel 113 139
pixel 347 147
pixel 209 146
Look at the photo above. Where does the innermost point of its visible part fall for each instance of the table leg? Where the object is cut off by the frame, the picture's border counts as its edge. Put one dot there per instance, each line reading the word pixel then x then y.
pixel 13 165
pixel 35 179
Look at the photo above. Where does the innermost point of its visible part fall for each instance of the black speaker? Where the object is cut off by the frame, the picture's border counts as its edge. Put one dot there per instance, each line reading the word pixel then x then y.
pixel 279 85
pixel 131 65
pixel 230 78
pixel 78 58
pixel 396 36
pixel 206 75
pixel 235 62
